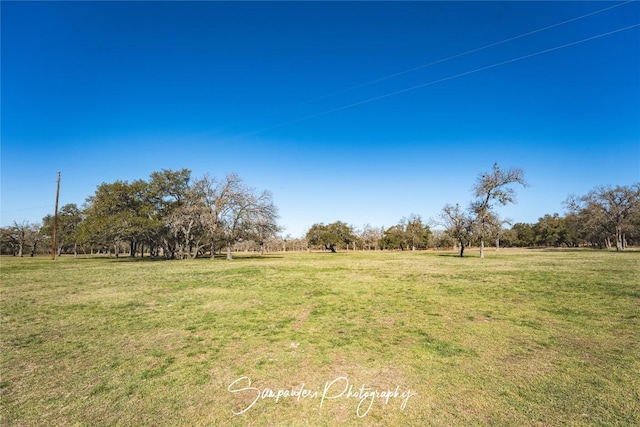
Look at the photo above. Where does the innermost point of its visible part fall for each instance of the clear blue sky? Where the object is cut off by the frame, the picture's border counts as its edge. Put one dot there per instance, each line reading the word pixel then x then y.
pixel 282 94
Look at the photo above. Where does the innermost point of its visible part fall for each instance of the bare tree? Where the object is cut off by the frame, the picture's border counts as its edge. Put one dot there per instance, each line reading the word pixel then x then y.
pixel 490 189
pixel 244 214
pixel 216 195
pixel 370 236
pixel 186 222
pixel 25 234
pixel 458 225
pixel 608 210
pixel 20 230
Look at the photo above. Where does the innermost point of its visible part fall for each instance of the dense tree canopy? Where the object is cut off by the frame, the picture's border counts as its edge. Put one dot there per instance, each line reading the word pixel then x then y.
pixel 332 236
pixel 410 233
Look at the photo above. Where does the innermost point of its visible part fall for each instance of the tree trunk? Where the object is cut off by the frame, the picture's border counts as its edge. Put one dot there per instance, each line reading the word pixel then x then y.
pixel 619 245
pixel 607 242
pixel 461 249
pixel 229 257
pixel 481 247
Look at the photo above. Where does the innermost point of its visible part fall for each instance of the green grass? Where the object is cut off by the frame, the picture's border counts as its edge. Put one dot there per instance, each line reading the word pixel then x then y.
pixel 539 338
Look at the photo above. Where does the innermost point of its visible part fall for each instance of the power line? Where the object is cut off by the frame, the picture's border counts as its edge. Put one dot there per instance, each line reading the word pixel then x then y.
pixel 423 66
pixel 466 73
pixel 439 61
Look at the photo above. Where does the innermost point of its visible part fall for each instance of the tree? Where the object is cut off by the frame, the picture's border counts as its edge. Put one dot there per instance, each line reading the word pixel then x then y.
pixel 608 209
pixel 408 233
pixel 417 233
pixel 166 190
pixel 549 230
pixel 186 223
pixel 370 236
pixel 69 220
pixel 19 231
pixel 119 212
pixel 395 237
pixel 442 239
pixel 330 236
pixel 178 216
pixel 523 235
pixel 8 241
pixel 245 214
pixel 16 238
pixel 490 189
pixel 458 225
pixel 217 197
pixel 494 227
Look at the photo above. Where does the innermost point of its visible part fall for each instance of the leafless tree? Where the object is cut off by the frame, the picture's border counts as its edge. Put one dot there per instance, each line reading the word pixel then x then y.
pixel 458 224
pixel 608 210
pixel 370 236
pixel 245 214
pixel 493 188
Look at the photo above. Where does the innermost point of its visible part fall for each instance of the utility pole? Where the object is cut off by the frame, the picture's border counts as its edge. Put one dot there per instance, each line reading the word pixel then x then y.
pixel 55 222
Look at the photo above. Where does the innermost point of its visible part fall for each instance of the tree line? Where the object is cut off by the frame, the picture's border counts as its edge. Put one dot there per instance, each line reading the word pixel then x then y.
pixel 169 215
pixel 607 217
pixel 174 216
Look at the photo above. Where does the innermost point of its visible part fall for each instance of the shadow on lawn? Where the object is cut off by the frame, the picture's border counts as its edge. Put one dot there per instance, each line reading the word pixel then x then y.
pixel 221 257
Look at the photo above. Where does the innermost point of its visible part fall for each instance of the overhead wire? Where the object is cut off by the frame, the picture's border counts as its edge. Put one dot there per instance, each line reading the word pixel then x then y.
pixel 449 58
pixel 422 85
pixel 420 67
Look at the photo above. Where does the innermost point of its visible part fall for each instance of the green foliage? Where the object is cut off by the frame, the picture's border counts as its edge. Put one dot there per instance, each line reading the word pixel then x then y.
pixel 410 233
pixel 521 234
pixel 394 238
pixel 68 232
pixel 332 236
pixel 175 216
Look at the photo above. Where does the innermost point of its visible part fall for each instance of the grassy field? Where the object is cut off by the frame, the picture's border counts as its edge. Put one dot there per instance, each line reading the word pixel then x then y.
pixel 535 338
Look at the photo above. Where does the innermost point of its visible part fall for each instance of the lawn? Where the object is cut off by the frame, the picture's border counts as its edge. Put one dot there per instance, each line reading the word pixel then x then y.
pixel 523 337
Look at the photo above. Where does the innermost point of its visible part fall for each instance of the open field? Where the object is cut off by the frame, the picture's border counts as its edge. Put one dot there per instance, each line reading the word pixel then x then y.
pixel 519 338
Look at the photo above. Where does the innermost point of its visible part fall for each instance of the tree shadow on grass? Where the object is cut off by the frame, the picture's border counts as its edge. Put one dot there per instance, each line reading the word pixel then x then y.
pixel 136 259
pixel 240 256
pixel 218 257
pixel 588 249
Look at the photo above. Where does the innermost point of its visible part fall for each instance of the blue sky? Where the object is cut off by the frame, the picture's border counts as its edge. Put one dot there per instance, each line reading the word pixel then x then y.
pixel 315 102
